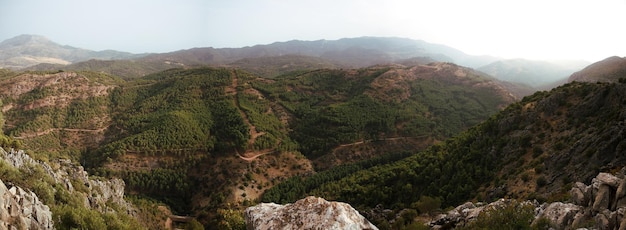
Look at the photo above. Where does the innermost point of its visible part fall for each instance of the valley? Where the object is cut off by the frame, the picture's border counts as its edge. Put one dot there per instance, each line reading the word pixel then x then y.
pixel 207 133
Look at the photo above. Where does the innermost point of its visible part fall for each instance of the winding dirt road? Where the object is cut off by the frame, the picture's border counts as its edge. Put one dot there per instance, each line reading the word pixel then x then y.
pixel 48 131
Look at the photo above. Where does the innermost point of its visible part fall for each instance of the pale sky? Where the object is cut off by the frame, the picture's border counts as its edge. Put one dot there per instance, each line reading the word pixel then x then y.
pixel 535 29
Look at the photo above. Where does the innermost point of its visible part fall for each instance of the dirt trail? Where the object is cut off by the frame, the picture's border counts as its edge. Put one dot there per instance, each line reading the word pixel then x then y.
pixel 256 154
pixel 385 139
pixel 250 154
pixel 47 131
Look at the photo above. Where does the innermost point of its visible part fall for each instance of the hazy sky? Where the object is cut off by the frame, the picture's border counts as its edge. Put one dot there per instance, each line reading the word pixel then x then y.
pixel 534 29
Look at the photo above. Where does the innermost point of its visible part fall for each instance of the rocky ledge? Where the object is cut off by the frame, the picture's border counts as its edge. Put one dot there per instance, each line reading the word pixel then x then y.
pixel 600 205
pixel 308 213
pixel 22 210
pixel 97 194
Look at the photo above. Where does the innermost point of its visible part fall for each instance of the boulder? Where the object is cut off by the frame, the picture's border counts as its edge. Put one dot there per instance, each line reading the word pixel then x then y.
pixel 560 214
pixel 602 198
pixel 308 213
pixel 622 225
pixel 620 195
pixel 580 218
pixel 603 220
pixel 578 194
pixel 608 179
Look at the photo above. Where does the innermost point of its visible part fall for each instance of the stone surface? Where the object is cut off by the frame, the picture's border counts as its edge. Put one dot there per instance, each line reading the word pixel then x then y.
pixel 602 198
pixel 608 179
pixel 561 214
pixel 22 210
pixel 602 203
pixel 578 194
pixel 97 194
pixel 620 196
pixel 468 212
pixel 308 213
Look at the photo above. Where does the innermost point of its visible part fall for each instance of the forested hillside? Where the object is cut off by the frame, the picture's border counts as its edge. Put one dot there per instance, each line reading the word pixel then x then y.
pixel 534 149
pixel 202 138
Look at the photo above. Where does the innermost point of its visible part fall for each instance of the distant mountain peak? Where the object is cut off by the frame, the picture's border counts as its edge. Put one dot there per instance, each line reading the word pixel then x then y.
pixel 25 39
pixel 28 50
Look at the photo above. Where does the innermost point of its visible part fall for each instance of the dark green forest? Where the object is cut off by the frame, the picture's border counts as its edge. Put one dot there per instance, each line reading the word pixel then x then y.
pixel 498 151
pixel 183 122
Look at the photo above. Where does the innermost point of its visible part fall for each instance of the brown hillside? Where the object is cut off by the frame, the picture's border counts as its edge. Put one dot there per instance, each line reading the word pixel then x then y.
pixel 607 70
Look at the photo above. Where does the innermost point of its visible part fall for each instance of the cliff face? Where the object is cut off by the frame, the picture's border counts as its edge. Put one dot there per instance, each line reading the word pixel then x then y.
pixel 61 187
pixel 75 179
pixel 308 213
pixel 20 209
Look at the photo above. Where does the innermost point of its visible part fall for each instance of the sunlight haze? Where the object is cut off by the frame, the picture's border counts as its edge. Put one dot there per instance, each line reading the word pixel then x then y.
pixel 589 30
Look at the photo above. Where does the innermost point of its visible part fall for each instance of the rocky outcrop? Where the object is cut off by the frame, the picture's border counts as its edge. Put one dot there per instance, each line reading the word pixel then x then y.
pixel 97 194
pixel 308 213
pixel 600 205
pixel 468 212
pixel 20 209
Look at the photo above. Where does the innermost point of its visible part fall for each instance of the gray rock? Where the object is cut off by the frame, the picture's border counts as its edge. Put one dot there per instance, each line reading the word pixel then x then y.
pixel 603 220
pixel 308 213
pixel 560 214
pixel 602 198
pixel 97 194
pixel 63 171
pixel 578 195
pixel 23 209
pixel 620 195
pixel 608 179
pixel 579 219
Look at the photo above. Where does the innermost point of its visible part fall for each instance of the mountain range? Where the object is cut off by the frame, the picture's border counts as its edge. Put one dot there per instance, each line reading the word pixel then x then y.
pixel 281 57
pixel 390 126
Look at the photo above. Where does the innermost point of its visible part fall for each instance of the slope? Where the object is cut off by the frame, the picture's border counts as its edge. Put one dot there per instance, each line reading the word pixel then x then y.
pixel 202 138
pixel 28 50
pixel 610 69
pixel 537 74
pixel 535 148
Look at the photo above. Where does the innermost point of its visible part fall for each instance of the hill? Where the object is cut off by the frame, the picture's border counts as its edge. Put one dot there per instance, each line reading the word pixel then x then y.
pixel 534 149
pixel 537 74
pixel 278 65
pixel 198 139
pixel 28 50
pixel 607 70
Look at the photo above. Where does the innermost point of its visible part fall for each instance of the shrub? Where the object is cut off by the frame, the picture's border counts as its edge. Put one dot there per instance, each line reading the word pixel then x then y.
pixel 514 215
pixel 427 204
pixel 541 181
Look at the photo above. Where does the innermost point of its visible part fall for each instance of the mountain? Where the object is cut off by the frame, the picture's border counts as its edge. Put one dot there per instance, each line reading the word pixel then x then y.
pixel 279 65
pixel 608 70
pixel 537 74
pixel 199 139
pixel 348 52
pixel 533 149
pixel 281 57
pixel 28 50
